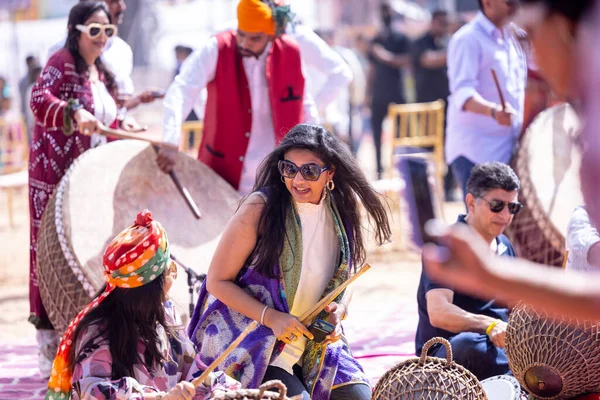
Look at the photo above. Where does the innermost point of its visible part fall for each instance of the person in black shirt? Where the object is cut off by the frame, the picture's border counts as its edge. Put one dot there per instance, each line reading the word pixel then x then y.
pixel 429 60
pixel 389 54
pixel 475 328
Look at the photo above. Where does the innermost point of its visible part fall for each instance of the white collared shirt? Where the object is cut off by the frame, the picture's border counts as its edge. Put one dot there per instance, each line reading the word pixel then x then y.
pixel 196 72
pixel 473 51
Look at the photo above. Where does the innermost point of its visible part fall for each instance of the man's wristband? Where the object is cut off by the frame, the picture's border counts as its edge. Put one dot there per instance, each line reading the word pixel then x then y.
pixel 491 327
pixel 493 112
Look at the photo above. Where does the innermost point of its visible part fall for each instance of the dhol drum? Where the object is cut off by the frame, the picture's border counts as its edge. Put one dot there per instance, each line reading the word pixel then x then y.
pixel 503 387
pixel 553 358
pixel 99 196
pixel 547 164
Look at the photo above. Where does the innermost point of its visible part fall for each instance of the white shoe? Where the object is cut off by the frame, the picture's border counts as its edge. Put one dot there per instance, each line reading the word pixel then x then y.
pixel 48 341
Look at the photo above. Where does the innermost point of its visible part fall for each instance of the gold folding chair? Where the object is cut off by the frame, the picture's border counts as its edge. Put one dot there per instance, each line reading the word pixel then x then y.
pixel 14 153
pixel 191 137
pixel 419 127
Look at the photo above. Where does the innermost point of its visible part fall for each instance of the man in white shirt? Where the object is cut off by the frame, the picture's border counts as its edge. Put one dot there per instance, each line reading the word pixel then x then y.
pixel 480 129
pixel 118 58
pixel 255 94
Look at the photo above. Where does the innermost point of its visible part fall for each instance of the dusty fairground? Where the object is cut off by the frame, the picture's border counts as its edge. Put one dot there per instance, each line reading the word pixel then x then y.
pixel 380 326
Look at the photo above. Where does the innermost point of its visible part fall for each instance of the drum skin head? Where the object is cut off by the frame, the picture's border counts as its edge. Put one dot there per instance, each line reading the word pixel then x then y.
pixel 548 164
pixel 543 381
pixel 101 194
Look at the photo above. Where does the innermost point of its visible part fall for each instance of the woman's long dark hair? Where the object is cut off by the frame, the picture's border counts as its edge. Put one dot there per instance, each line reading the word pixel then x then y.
pixel 77 16
pixel 125 317
pixel 351 186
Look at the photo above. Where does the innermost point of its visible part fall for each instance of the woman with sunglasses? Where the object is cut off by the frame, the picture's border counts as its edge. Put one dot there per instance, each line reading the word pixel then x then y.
pixel 293 240
pixel 129 342
pixel 69 101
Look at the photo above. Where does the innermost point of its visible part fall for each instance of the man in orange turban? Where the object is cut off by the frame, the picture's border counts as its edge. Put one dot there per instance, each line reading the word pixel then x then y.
pixel 255 94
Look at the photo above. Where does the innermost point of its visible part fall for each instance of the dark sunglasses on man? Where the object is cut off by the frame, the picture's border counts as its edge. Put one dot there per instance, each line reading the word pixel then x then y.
pixel 310 172
pixel 94 30
pixel 497 206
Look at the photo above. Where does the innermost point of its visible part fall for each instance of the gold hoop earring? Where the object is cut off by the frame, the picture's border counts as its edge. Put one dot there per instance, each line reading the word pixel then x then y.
pixel 331 185
pixel 282 179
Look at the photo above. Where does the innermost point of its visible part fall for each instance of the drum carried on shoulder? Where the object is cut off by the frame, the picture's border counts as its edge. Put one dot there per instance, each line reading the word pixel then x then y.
pixel 99 196
pixel 547 164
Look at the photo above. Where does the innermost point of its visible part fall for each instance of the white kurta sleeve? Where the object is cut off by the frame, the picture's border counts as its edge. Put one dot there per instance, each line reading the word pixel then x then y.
pixel 197 70
pixel 320 56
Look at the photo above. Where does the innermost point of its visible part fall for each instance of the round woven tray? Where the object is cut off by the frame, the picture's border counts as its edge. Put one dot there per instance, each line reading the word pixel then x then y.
pixel 261 393
pixel 553 359
pixel 429 378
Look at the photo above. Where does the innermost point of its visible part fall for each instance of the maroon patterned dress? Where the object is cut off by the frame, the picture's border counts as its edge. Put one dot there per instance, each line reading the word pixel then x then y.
pixel 52 152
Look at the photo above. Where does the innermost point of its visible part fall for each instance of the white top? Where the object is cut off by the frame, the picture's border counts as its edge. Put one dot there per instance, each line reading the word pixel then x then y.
pixel 473 51
pixel 117 57
pixel 196 72
pixel 581 236
pixel 105 110
pixel 320 258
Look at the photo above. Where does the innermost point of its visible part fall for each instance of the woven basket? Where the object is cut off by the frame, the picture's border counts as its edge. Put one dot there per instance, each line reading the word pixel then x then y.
pixel 552 359
pixel 261 393
pixel 429 378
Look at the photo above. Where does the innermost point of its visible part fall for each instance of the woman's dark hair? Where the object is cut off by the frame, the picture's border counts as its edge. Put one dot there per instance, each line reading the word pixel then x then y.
pixel 126 317
pixel 492 175
pixel 77 16
pixel 574 10
pixel 351 186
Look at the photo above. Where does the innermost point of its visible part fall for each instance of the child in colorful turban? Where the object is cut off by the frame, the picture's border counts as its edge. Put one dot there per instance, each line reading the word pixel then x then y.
pixel 129 341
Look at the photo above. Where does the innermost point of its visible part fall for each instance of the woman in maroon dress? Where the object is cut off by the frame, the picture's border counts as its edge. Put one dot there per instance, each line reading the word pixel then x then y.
pixel 71 98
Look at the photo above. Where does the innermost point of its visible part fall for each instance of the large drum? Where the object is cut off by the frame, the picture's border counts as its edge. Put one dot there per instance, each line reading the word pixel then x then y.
pixel 547 164
pixel 553 359
pixel 99 196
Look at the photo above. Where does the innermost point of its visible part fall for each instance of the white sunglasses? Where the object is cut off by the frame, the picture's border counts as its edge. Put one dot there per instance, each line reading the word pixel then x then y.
pixel 94 30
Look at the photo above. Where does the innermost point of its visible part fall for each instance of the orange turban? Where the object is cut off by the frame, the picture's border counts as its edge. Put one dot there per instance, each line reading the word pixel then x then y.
pixel 255 16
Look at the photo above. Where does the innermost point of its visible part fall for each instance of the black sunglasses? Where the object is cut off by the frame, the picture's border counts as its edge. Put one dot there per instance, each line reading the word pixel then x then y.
pixel 310 172
pixel 497 206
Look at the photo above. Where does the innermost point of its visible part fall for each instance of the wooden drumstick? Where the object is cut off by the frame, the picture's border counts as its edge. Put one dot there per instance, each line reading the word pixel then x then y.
pixel 187 197
pixel 120 134
pixel 320 306
pixel 564 264
pixel 199 380
pixel 498 88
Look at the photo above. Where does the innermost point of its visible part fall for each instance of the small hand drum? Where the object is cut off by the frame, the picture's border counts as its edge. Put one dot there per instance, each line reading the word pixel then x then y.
pixel 502 387
pixel 429 378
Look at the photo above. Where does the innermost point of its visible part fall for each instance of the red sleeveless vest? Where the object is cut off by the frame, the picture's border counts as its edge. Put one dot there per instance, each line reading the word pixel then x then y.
pixel 228 114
